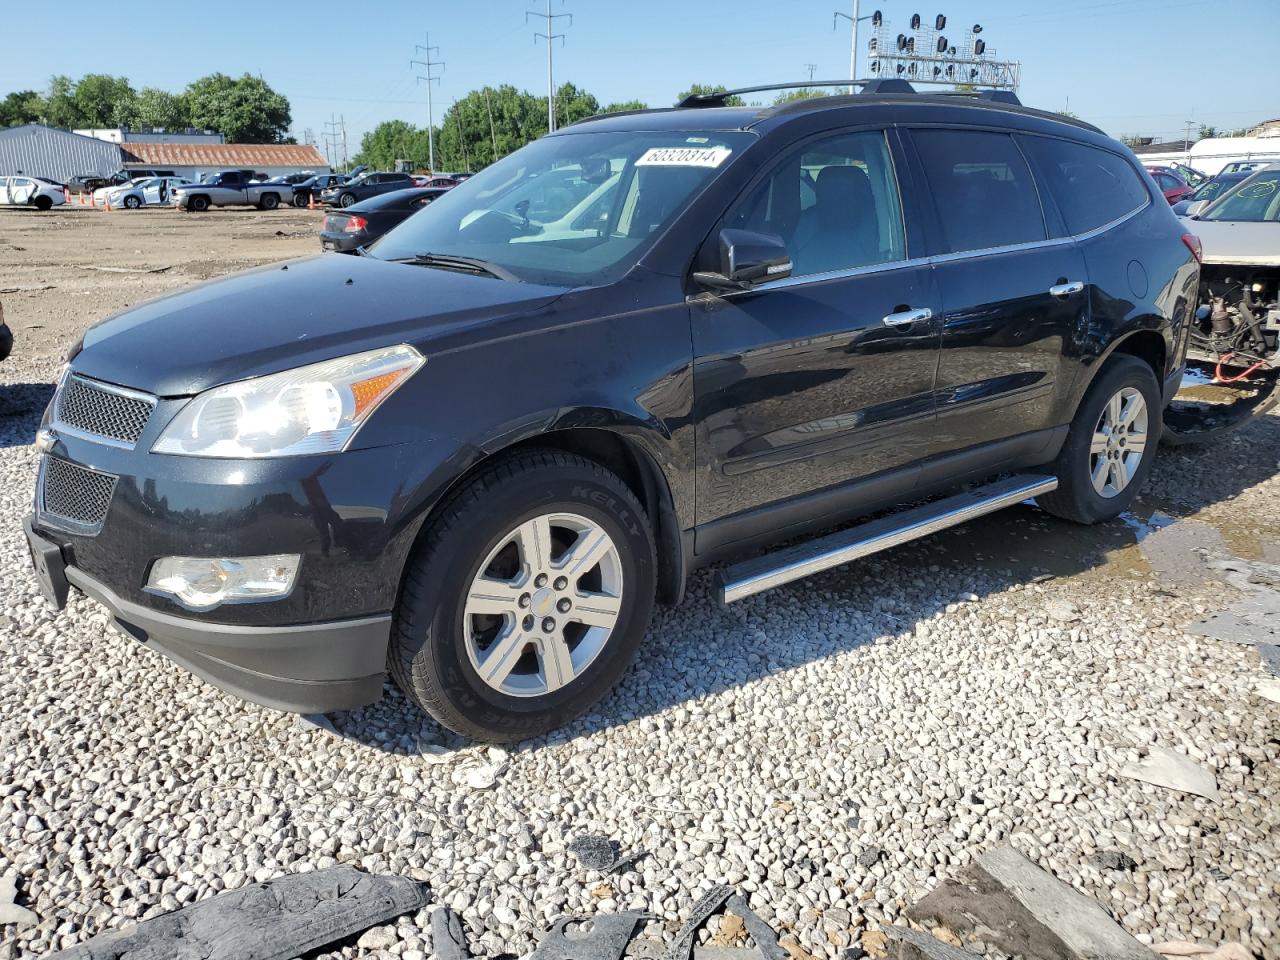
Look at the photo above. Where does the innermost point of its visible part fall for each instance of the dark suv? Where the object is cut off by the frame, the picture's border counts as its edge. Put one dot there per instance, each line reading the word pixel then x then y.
pixel 476 455
pixel 365 186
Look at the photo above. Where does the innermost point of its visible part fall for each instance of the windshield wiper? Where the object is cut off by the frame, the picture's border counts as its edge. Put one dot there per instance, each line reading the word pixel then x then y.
pixel 467 264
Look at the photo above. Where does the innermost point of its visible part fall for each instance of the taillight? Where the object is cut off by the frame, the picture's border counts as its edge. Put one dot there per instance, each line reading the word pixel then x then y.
pixel 1194 245
pixel 355 224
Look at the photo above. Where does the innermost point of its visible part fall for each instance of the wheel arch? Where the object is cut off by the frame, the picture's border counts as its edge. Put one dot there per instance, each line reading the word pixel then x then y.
pixel 613 440
pixel 1147 343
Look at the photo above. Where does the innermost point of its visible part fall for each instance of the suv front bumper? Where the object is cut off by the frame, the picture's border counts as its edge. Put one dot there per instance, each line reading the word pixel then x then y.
pixel 308 668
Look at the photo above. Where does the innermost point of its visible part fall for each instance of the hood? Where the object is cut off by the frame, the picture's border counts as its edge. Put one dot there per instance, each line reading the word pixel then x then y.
pixel 1238 241
pixel 286 315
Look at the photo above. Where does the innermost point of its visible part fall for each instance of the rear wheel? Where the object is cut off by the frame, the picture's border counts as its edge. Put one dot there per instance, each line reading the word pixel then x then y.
pixel 43 203
pixel 198 204
pixel 268 201
pixel 526 598
pixel 299 199
pixel 346 200
pixel 1111 444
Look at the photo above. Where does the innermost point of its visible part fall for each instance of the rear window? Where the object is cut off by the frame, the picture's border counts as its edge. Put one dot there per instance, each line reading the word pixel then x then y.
pixel 1091 186
pixel 981 187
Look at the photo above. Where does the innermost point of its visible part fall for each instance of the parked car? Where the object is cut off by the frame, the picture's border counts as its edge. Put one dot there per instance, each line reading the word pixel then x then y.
pixel 229 189
pixel 477 454
pixel 146 191
pixel 38 192
pixel 313 186
pixel 86 183
pixel 346 229
pixel 1171 184
pixel 363 187
pixel 1246 166
pixel 1209 189
pixel 422 181
pixel 6 337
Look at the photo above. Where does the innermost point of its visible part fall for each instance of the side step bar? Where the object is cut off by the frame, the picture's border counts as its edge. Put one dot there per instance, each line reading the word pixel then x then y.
pixel 805 559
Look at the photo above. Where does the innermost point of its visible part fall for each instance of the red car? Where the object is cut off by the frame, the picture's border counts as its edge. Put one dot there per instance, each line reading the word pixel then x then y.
pixel 1171 185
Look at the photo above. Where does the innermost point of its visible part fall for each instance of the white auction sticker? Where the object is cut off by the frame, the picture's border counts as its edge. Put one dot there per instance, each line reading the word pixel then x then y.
pixel 684 157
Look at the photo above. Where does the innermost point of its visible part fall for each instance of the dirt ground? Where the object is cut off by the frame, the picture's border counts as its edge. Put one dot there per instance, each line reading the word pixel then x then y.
pixel 64 270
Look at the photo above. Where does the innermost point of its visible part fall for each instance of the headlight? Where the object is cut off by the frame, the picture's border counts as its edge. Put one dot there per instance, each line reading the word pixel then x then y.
pixel 202 583
pixel 312 409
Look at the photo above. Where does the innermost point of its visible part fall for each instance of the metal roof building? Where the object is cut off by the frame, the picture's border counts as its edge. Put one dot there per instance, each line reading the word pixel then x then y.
pixel 193 159
pixel 41 151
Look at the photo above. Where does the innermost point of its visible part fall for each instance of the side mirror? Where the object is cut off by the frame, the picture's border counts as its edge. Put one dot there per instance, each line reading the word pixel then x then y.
pixel 746 259
pixel 1196 207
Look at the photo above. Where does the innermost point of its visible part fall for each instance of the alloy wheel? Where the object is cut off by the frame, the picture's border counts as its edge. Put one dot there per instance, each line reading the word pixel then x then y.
pixel 1119 442
pixel 544 604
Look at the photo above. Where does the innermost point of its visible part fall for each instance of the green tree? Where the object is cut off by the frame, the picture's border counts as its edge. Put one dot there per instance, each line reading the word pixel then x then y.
pixel 61 109
pixel 21 106
pixel 388 142
pixel 625 105
pixel 805 93
pixel 573 104
pixel 711 88
pixel 102 100
pixel 1207 131
pixel 246 110
pixel 160 108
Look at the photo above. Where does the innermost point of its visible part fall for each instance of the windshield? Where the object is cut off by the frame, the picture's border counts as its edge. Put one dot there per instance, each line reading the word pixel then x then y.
pixel 1256 199
pixel 573 209
pixel 1215 186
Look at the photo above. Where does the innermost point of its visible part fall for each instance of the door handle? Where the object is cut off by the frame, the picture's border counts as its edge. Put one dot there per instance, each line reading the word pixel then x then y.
pixel 1064 290
pixel 906 317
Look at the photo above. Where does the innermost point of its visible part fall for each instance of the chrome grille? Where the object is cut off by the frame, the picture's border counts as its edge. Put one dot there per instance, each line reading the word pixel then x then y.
pixel 75 495
pixel 101 410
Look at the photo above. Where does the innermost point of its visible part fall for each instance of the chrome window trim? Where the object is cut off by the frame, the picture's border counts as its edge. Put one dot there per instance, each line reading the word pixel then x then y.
pixel 62 427
pixel 939 258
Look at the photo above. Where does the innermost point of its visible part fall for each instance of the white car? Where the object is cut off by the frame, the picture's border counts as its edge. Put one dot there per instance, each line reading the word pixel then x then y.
pixel 37 192
pixel 140 192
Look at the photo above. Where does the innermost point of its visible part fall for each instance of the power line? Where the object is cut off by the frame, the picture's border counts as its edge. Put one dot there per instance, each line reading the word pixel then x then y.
pixel 430 78
pixel 551 38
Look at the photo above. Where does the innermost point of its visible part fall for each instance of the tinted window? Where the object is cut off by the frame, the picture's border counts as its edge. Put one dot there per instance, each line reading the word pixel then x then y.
pixel 1091 186
pixel 981 187
pixel 834 203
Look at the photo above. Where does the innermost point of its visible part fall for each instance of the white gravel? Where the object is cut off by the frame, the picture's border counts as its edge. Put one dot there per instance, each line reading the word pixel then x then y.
pixel 833 749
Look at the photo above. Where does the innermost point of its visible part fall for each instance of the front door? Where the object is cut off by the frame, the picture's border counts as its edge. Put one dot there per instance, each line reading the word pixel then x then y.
pixel 824 378
pixel 1013 299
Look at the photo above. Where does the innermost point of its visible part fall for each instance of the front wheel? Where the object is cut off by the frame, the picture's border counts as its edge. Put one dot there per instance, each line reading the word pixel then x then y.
pixel 1110 446
pixel 198 204
pixel 299 199
pixel 526 598
pixel 268 201
pixel 132 203
pixel 346 200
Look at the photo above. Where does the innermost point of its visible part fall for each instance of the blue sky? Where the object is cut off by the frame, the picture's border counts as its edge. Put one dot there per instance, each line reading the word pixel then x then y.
pixel 1130 66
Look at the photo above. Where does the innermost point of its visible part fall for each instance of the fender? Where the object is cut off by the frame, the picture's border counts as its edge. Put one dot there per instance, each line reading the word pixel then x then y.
pixel 1144 323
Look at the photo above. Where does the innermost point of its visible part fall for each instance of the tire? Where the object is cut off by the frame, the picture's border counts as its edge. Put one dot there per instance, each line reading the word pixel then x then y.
pixel 1124 380
pixel 198 204
pixel 132 203
pixel 268 201
pixel 299 200
pixel 43 203
pixel 346 200
pixel 439 646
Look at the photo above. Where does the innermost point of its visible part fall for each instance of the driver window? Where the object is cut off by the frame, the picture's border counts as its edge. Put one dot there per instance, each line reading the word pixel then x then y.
pixel 833 202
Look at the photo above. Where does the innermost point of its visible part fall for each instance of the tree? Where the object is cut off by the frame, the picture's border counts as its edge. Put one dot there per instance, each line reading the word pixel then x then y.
pixel 246 110
pixel 1207 131
pixel 625 105
pixel 573 105
pixel 711 88
pixel 61 109
pixel 21 106
pixel 807 93
pixel 160 108
pixel 390 141
pixel 102 100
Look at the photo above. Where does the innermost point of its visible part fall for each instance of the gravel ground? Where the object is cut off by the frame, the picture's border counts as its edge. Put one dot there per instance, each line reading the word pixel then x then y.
pixel 834 748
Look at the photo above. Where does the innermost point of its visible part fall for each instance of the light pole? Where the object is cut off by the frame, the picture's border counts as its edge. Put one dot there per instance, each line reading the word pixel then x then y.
pixel 853 39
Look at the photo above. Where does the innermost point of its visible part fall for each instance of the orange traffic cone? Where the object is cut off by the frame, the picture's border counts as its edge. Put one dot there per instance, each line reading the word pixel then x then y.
pixel 66 195
pixel 107 200
pixel 311 202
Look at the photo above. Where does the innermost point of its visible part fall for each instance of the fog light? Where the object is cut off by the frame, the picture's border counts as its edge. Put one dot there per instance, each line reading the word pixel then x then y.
pixel 202 583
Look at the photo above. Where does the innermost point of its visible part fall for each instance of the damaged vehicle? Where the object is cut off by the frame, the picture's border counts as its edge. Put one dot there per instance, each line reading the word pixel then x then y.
pixel 1233 353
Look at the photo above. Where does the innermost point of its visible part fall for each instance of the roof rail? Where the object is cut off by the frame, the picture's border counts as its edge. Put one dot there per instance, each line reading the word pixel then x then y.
pixel 995 96
pixel 874 85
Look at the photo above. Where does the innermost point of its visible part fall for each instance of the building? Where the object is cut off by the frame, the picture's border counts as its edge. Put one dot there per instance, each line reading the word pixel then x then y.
pixel 41 151
pixel 151 135
pixel 193 160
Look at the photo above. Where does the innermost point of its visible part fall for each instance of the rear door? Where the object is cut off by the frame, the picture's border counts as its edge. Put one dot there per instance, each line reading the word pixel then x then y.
pixel 1013 293
pixel 822 379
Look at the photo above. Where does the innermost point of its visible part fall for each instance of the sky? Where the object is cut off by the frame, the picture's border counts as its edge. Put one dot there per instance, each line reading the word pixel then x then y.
pixel 1143 67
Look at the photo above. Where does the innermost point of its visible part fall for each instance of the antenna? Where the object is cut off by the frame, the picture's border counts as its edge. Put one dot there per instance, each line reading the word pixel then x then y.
pixel 428 64
pixel 550 37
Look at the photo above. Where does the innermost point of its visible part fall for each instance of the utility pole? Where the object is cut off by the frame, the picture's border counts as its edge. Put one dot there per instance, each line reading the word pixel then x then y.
pixel 550 38
pixel 331 140
pixel 462 137
pixel 430 78
pixel 346 157
pixel 811 67
pixel 493 136
pixel 1186 140
pixel 853 40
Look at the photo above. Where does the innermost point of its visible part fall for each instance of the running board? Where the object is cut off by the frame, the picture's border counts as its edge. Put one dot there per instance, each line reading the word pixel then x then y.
pixel 805 559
